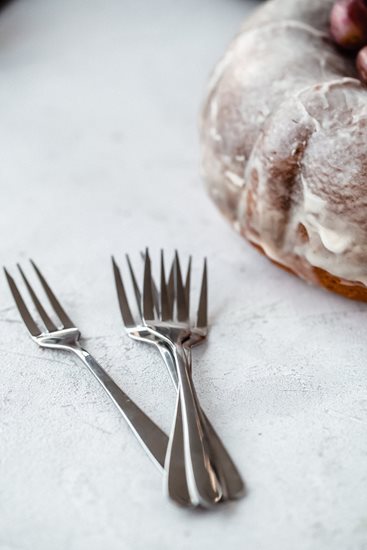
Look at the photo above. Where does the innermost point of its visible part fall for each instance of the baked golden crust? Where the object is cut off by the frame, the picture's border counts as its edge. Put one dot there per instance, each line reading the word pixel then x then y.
pixel 352 290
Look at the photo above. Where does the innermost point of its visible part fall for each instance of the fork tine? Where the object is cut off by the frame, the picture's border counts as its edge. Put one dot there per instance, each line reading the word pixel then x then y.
pixel 135 284
pixel 121 295
pixel 148 303
pixel 165 303
pixel 180 292
pixel 59 310
pixel 171 287
pixel 22 308
pixel 202 316
pixel 156 297
pixel 187 286
pixel 49 324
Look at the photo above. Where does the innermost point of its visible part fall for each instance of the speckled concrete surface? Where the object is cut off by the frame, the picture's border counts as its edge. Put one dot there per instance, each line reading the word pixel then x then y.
pixel 99 154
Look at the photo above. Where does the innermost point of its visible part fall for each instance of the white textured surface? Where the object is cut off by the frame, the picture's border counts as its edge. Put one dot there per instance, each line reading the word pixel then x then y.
pixel 99 154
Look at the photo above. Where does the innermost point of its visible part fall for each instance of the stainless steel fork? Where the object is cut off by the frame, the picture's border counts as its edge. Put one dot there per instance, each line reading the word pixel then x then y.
pixel 169 331
pixel 66 338
pixel 230 479
pixel 137 330
pixel 173 325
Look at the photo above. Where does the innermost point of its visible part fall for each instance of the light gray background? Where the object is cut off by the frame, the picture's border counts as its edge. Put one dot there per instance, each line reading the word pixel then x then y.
pixel 99 155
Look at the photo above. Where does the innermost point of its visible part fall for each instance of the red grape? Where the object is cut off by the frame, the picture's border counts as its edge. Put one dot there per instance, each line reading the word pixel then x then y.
pixel 348 23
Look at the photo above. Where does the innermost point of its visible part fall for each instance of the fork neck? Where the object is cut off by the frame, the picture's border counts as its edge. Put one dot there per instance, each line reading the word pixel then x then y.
pixel 92 364
pixel 77 348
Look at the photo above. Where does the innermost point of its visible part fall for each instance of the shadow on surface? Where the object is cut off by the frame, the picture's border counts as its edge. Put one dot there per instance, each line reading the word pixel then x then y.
pixel 4 3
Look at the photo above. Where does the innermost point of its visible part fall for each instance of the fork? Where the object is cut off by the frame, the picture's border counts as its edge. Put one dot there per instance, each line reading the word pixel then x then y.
pixel 173 326
pixel 66 338
pixel 230 479
pixel 140 332
pixel 203 487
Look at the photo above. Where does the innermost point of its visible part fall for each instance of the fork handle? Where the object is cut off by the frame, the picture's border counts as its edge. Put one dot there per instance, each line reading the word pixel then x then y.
pixel 150 436
pixel 202 482
pixel 175 478
pixel 229 477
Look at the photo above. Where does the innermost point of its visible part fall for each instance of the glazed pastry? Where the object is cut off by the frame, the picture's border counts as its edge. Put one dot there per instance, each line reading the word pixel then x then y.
pixel 284 145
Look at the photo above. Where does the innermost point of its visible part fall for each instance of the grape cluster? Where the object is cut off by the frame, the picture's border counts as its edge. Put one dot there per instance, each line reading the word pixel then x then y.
pixel 348 25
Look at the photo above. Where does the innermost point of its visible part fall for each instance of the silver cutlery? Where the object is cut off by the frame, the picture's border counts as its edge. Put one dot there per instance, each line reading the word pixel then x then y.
pixel 198 469
pixel 66 337
pixel 230 482
pixel 230 479
pixel 140 332
pixel 172 328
